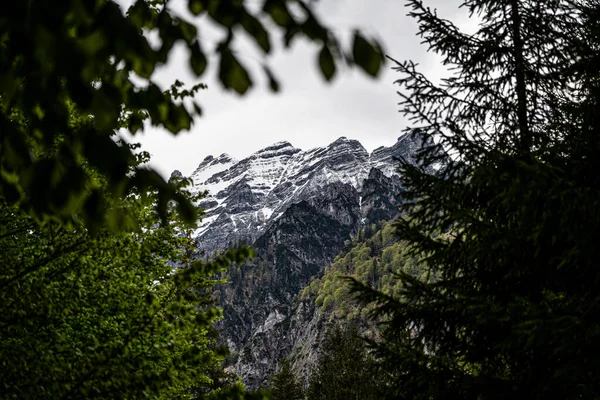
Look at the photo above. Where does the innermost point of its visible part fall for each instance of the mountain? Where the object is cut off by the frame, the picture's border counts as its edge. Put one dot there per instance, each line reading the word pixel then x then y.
pixel 372 258
pixel 297 209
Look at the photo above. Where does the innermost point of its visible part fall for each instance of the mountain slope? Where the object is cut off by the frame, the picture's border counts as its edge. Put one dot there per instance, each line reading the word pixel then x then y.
pixel 297 209
pixel 246 196
pixel 371 258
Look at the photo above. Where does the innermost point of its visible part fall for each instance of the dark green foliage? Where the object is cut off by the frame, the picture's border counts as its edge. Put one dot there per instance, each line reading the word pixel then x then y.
pixel 285 384
pixel 514 311
pixel 104 315
pixel 345 370
pixel 73 57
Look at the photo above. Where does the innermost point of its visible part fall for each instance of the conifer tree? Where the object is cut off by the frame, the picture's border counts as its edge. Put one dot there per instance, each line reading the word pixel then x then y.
pixel 507 218
pixel 285 384
pixel 345 370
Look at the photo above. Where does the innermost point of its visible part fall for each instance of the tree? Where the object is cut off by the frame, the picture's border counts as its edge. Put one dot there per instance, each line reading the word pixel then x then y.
pixel 504 217
pixel 345 370
pixel 285 384
pixel 91 58
pixel 90 304
pixel 103 314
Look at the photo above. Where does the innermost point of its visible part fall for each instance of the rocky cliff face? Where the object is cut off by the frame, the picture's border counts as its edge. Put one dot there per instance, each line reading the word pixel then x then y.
pixel 296 208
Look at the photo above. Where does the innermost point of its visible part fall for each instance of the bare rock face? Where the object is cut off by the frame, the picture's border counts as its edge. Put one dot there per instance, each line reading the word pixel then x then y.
pixel 176 174
pixel 296 209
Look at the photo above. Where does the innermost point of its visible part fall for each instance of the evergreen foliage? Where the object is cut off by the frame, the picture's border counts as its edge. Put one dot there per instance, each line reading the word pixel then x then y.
pixel 285 385
pixel 514 310
pixel 345 370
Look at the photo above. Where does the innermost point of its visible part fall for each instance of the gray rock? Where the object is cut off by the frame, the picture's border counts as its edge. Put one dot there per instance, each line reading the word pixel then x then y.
pixel 296 209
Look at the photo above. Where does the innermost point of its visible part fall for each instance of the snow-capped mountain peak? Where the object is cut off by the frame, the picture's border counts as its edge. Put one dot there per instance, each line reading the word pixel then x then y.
pixel 246 196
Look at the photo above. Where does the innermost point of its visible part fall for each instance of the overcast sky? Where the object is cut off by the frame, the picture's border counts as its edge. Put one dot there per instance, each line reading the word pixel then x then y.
pixel 307 112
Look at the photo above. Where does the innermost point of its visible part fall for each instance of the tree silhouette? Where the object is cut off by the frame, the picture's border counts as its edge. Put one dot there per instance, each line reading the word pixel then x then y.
pixel 285 384
pixel 345 369
pixel 506 218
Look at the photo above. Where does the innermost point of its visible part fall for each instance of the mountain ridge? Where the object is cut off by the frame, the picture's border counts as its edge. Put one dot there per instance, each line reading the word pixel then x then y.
pixel 297 209
pixel 245 196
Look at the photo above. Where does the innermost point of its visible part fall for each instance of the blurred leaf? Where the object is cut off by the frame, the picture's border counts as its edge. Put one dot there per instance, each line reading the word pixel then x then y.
pixel 279 12
pixel 197 6
pixel 258 32
pixel 135 123
pixel 197 108
pixel 366 55
pixel 178 119
pixel 273 83
pixel 187 211
pixel 326 63
pixel 232 74
pixel 198 60
pixel 188 31
pixel 93 42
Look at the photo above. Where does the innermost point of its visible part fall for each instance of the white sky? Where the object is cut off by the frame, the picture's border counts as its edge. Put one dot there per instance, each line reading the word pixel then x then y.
pixel 307 111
